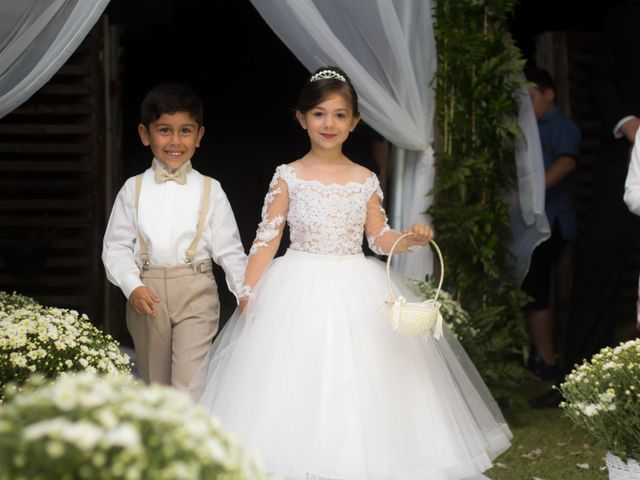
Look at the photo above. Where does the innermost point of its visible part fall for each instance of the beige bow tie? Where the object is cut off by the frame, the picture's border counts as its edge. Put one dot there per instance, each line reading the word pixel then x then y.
pixel 179 176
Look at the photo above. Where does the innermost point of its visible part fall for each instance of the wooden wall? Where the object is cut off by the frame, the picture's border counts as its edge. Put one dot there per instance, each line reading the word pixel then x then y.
pixel 57 153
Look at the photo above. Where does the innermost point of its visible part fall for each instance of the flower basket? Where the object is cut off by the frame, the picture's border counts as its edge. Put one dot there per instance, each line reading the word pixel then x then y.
pixel 49 341
pixel 621 470
pixel 415 318
pixel 601 395
pixel 456 317
pixel 113 427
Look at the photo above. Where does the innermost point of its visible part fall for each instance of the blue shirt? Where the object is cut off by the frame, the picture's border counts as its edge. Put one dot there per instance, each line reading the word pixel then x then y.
pixel 560 136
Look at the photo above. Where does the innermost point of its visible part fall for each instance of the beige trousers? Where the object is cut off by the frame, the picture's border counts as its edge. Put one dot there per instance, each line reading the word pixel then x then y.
pixel 170 347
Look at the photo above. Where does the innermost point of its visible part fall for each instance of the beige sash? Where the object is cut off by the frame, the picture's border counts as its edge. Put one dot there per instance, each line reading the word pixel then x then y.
pixel 202 217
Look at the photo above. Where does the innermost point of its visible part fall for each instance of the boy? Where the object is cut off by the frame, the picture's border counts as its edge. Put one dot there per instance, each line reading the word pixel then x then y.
pixel 560 139
pixel 166 226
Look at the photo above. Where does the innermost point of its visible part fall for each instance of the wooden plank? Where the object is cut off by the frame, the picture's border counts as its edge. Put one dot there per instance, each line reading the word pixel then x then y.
pixel 62 222
pixel 44 166
pixel 42 280
pixel 61 246
pixel 73 89
pixel 71 70
pixel 53 109
pixel 80 242
pixel 590 126
pixel 27 184
pixel 46 204
pixel 47 148
pixel 590 145
pixel 44 129
pixel 68 263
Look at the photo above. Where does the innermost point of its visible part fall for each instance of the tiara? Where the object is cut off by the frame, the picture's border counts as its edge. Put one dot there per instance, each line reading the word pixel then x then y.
pixel 327 74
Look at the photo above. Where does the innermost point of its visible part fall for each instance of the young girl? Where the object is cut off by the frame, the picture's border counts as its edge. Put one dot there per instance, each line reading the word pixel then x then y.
pixel 309 371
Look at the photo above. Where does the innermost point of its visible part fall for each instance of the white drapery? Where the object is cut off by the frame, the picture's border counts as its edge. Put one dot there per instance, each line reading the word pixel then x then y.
pixel 388 49
pixel 36 39
pixel 529 224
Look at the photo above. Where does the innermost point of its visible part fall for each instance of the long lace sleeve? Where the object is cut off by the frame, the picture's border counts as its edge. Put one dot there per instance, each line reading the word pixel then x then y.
pixel 380 236
pixel 269 233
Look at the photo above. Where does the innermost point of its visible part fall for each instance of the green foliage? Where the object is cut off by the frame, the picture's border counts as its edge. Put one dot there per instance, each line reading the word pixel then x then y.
pixel 479 70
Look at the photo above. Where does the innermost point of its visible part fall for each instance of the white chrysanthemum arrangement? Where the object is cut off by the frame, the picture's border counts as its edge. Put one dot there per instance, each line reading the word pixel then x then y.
pixel 602 396
pixel 88 426
pixel 46 340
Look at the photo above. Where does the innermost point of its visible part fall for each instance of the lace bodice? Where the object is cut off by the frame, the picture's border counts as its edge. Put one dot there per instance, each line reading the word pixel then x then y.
pixel 323 219
pixel 327 219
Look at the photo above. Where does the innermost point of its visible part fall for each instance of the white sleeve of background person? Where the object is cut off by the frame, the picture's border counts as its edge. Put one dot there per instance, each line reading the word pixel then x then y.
pixel 632 183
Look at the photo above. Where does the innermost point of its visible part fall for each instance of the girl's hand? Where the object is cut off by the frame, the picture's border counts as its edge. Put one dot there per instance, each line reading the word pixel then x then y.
pixel 243 304
pixel 420 234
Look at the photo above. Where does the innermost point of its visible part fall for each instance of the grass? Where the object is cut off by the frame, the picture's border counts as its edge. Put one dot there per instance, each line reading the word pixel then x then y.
pixel 547 446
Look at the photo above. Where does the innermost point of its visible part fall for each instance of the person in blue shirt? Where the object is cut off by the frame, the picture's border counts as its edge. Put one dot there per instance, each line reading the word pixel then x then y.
pixel 560 138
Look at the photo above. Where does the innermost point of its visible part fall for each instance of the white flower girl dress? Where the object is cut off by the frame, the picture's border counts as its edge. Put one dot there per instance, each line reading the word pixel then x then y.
pixel 311 375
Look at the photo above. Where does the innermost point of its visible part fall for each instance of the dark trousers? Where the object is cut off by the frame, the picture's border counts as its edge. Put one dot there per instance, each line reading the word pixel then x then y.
pixel 602 253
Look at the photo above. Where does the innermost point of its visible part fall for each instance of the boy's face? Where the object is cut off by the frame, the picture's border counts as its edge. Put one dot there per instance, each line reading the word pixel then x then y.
pixel 543 100
pixel 173 139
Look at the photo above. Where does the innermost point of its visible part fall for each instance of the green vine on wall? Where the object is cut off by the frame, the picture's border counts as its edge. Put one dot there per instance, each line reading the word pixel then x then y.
pixel 479 69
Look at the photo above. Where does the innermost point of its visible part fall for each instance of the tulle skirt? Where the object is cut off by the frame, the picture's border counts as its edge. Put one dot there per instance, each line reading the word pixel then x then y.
pixel 313 378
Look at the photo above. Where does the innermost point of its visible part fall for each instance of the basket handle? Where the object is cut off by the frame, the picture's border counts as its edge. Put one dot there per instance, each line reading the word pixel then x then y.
pixel 395 244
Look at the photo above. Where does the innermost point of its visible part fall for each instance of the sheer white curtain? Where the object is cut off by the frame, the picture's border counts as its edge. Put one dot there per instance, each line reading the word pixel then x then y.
pixel 388 49
pixel 36 39
pixel 529 225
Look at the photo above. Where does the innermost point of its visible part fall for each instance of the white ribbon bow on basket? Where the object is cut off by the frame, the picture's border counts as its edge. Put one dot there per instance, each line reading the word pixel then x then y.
pixel 415 318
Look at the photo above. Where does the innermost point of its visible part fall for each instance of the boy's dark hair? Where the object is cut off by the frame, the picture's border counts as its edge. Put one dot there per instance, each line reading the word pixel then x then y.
pixel 541 78
pixel 170 98
pixel 316 91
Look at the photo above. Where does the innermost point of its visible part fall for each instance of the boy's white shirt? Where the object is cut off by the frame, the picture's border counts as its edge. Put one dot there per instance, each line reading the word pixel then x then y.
pixel 632 183
pixel 168 215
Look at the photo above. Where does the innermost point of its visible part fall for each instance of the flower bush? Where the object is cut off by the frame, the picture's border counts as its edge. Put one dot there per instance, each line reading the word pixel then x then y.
pixel 601 395
pixel 112 427
pixel 35 338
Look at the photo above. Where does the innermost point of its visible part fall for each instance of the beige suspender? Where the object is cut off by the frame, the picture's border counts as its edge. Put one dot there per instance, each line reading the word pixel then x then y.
pixel 144 253
pixel 202 217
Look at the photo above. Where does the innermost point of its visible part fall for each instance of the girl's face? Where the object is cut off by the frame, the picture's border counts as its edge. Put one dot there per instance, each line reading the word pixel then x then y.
pixel 329 123
pixel 173 139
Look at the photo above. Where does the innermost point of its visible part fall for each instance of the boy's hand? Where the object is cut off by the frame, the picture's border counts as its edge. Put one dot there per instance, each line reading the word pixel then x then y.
pixel 143 301
pixel 421 234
